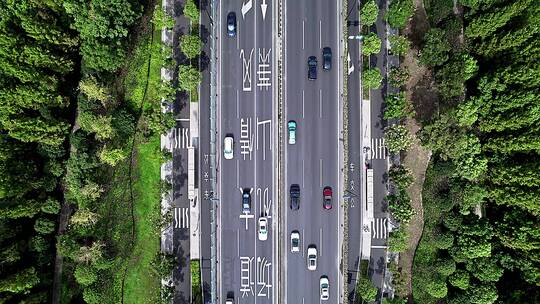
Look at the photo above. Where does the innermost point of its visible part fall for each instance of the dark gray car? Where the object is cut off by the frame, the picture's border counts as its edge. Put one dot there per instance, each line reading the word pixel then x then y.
pixel 246 201
pixel 294 193
pixel 327 58
pixel 312 68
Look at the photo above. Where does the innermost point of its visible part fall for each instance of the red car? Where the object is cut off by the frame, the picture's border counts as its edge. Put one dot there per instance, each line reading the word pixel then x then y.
pixel 327 198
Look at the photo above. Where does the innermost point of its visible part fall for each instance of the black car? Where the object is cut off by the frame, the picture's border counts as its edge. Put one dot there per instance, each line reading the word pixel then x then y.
pixel 231 24
pixel 294 193
pixel 312 68
pixel 246 201
pixel 327 58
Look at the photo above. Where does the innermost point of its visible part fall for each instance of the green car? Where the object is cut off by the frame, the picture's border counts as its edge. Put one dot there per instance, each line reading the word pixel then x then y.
pixel 291 125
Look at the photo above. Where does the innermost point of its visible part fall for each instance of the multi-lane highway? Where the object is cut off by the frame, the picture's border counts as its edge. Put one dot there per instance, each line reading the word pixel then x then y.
pixel 313 162
pixel 246 113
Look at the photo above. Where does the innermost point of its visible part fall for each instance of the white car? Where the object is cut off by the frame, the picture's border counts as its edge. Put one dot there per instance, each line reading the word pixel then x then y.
pixel 312 258
pixel 263 229
pixel 295 241
pixel 228 147
pixel 229 301
pixel 325 288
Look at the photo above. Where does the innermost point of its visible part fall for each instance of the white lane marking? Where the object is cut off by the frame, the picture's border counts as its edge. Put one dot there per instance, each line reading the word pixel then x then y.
pixel 303 176
pixel 351 66
pixel 246 6
pixel 303 33
pixel 320 241
pixel 237 39
pixel 320 103
pixel 320 172
pixel 237 105
pixel 303 103
pixel 238 175
pixel 303 237
pixel 263 8
pixel 320 33
pixel 238 241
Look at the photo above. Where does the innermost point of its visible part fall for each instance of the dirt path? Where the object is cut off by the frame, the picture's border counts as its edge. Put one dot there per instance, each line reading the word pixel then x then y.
pixel 419 90
pixel 417 159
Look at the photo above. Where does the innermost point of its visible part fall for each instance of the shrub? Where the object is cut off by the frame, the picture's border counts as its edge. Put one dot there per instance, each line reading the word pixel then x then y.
pixel 398 76
pixel 397 138
pixel 366 290
pixel 400 207
pixel 401 176
pixel 162 19
pixel 397 106
pixel 397 241
pixel 399 45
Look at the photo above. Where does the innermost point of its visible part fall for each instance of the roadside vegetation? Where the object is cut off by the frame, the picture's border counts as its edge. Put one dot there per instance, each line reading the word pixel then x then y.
pixel 80 124
pixel 39 66
pixel 481 240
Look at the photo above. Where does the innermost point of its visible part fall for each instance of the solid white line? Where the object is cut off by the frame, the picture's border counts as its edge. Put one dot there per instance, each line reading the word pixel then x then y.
pixel 320 103
pixel 303 176
pixel 320 172
pixel 237 105
pixel 237 37
pixel 237 174
pixel 320 33
pixel 303 31
pixel 303 244
pixel 303 103
pixel 320 241
pixel 238 241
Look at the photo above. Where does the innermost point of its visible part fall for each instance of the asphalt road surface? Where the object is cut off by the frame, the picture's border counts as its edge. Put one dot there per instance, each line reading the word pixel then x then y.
pixel 313 162
pixel 245 112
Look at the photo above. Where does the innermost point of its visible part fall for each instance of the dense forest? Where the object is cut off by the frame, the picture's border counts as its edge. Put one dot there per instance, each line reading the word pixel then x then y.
pixel 39 64
pixel 65 123
pixel 481 240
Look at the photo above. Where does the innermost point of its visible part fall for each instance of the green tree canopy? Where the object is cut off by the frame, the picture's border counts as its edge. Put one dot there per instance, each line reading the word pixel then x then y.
pixel 188 78
pixel 369 13
pixel 436 48
pixel 191 46
pixel 371 44
pixel 399 13
pixel 371 78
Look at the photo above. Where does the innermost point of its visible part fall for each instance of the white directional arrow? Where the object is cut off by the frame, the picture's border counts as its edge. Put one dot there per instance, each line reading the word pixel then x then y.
pixel 351 66
pixel 246 6
pixel 263 8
